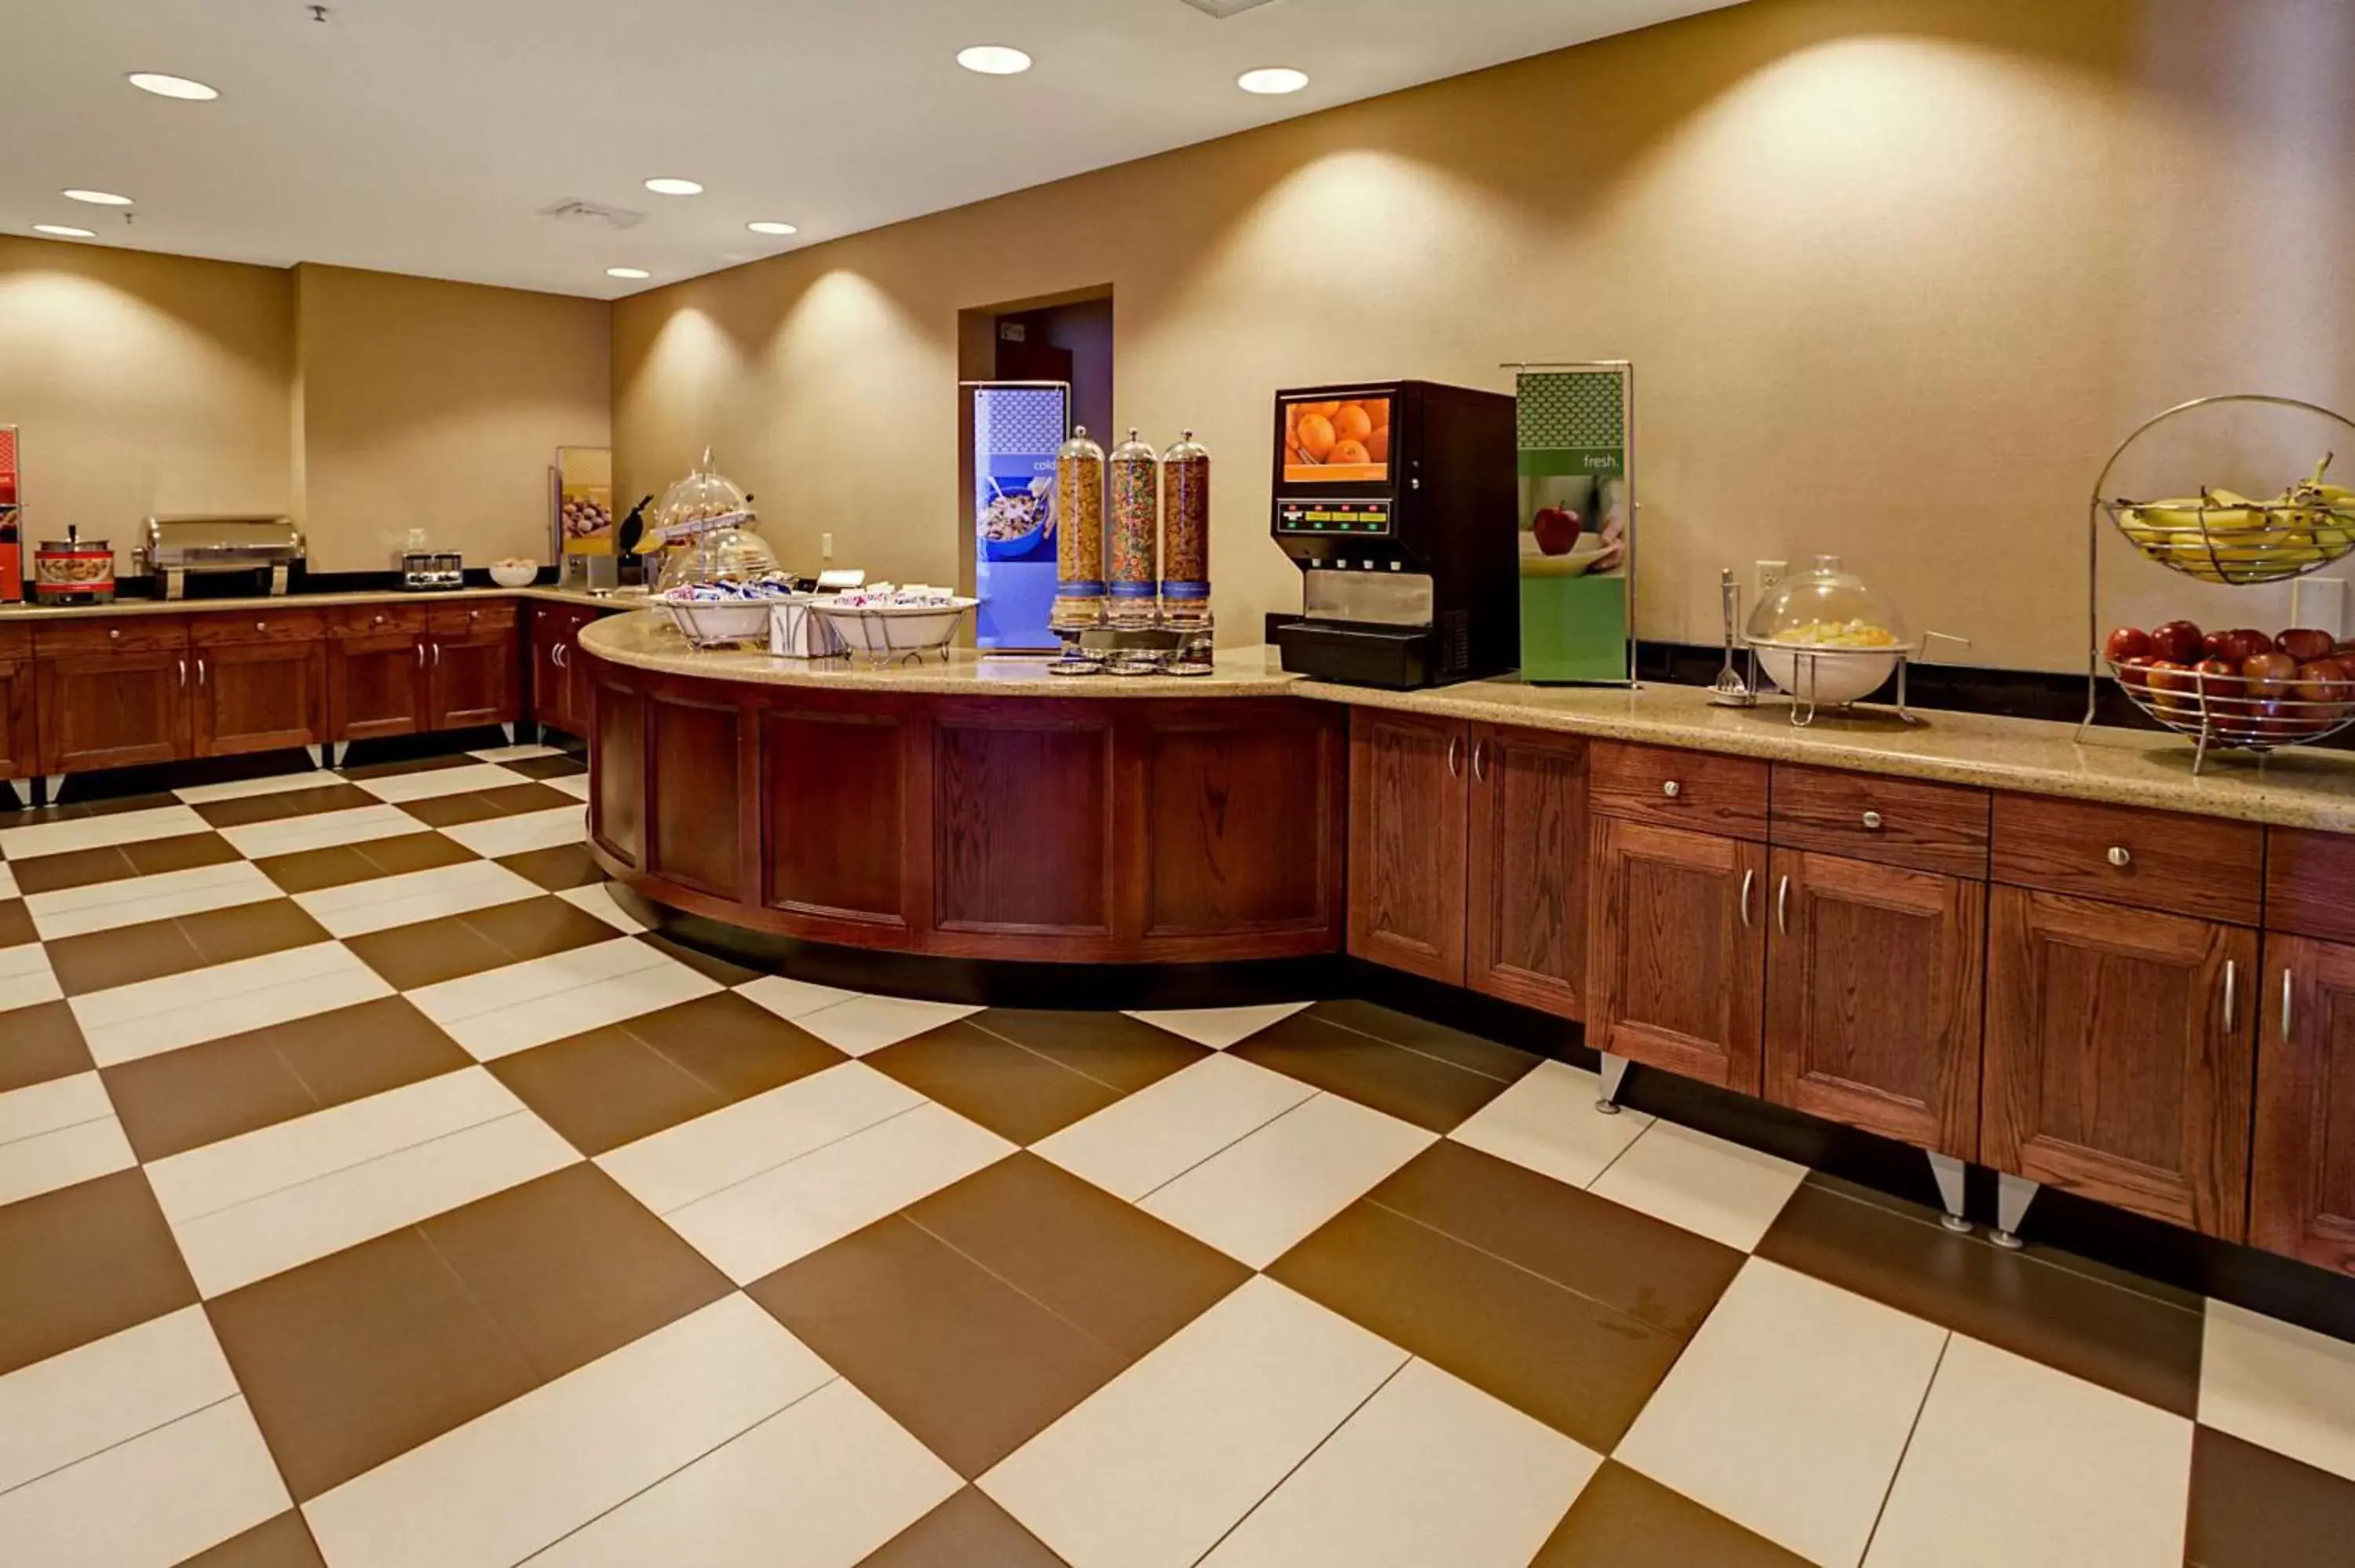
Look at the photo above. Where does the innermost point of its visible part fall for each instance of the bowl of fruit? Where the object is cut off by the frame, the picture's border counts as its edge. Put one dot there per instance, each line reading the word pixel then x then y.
pixel 2238 688
pixel 2215 461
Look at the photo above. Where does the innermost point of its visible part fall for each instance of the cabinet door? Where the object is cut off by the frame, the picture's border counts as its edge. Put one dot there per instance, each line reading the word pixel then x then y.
pixel 19 735
pixel 261 696
pixel 1406 842
pixel 114 710
pixel 551 689
pixel 1676 950
pixel 473 679
pixel 1527 937
pixel 2303 1200
pixel 1873 987
pixel 375 685
pixel 2118 1045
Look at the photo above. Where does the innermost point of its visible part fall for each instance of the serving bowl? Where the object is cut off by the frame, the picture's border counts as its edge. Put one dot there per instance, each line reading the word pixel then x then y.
pixel 1827 676
pixel 515 577
pixel 888 631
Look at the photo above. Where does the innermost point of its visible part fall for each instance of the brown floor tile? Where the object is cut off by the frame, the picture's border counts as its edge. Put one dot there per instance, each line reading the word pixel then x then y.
pixel 362 1355
pixel 1625 1519
pixel 182 854
pixel 482 805
pixel 1109 1047
pixel 1425 1090
pixel 2136 1338
pixel 111 862
pixel 83 811
pixel 963 1361
pixel 97 960
pixel 1466 1050
pixel 277 808
pixel 1016 1093
pixel 570 1266
pixel 186 1099
pixel 614 1086
pixel 283 1541
pixel 1581 1367
pixel 2252 1508
pixel 308 871
pixel 1104 1266
pixel 565 766
pixel 566 866
pixel 412 765
pixel 40 1042
pixel 434 950
pixel 1660 1273
pixel 84 1262
pixel 967 1532
pixel 249 930
pixel 15 923
pixel 702 963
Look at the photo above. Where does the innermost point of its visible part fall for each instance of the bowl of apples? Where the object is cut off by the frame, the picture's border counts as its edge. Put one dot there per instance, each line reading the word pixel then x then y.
pixel 2237 688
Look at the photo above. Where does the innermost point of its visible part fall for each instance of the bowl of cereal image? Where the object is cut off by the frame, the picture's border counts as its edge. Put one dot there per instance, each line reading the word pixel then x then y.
pixel 1015 524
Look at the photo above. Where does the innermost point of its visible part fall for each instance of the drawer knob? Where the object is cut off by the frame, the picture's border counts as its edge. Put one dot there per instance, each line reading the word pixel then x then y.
pixel 1872 820
pixel 1672 789
pixel 113 632
pixel 2120 856
pixel 258 625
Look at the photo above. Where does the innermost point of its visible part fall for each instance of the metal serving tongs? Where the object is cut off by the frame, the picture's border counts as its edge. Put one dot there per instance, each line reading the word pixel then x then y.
pixel 1730 690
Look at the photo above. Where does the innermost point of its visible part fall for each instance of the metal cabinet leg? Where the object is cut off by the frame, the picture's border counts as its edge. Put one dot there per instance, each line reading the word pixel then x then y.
pixel 2012 1196
pixel 1949 1173
pixel 318 756
pixel 509 731
pixel 1615 1072
pixel 52 786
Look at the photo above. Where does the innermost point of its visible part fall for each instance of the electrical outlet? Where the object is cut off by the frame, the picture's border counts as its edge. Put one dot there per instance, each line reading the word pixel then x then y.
pixel 826 547
pixel 2320 602
pixel 1768 572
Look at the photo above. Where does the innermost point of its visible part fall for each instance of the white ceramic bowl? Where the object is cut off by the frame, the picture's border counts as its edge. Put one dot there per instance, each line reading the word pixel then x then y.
pixel 1828 676
pixel 515 577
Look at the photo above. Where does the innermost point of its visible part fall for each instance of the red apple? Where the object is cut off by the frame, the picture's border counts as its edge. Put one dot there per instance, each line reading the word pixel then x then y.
pixel 2127 642
pixel 2213 645
pixel 1557 530
pixel 2305 644
pixel 2327 686
pixel 2220 681
pixel 2177 643
pixel 2245 642
pixel 2270 675
pixel 2171 685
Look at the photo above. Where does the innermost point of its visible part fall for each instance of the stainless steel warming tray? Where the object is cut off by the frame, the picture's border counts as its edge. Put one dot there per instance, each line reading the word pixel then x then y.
pixel 230 543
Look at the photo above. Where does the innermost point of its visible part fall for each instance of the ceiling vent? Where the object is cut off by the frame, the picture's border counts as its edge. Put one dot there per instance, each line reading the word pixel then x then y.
pixel 1222 9
pixel 578 211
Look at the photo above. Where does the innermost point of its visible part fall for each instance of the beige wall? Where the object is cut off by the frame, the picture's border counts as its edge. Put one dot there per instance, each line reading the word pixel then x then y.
pixel 1895 274
pixel 361 403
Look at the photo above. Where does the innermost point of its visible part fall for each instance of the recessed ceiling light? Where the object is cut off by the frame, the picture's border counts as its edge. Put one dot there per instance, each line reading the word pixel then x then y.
pixel 633 273
pixel 65 231
pixel 993 60
pixel 179 87
pixel 765 228
pixel 97 198
pixel 667 186
pixel 1273 79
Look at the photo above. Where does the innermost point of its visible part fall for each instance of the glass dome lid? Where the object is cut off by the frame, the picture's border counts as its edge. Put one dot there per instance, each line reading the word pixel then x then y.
pixel 1825 606
pixel 707 524
pixel 704 494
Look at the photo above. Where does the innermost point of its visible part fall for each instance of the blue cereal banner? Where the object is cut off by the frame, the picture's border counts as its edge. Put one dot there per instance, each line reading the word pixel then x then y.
pixel 1016 430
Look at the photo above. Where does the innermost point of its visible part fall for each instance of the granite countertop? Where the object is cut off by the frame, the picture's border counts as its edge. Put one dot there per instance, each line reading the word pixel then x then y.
pixel 2294 787
pixel 33 614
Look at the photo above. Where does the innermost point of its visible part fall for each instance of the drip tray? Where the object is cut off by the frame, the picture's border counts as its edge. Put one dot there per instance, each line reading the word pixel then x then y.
pixel 1363 653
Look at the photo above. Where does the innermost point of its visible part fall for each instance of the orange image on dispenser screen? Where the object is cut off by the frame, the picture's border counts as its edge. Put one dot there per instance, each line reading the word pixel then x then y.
pixel 1338 442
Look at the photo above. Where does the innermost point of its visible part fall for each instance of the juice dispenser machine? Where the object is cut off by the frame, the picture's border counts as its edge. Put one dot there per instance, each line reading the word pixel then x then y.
pixel 1398 501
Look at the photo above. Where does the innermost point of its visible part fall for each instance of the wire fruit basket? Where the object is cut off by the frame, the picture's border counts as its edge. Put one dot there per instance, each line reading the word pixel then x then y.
pixel 2246 713
pixel 886 633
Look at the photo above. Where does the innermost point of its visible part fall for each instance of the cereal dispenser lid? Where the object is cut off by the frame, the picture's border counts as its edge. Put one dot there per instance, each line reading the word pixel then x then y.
pixel 1827 607
pixel 1133 449
pixel 1080 448
pixel 1185 448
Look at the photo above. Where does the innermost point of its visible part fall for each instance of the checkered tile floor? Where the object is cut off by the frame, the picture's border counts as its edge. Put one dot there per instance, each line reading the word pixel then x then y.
pixel 374 1192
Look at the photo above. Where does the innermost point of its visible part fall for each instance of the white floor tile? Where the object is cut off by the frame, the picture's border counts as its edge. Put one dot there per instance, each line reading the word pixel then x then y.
pixel 97 832
pixel 1548 1123
pixel 381 903
pixel 1219 1027
pixel 518 753
pixel 821 1483
pixel 496 836
pixel 574 784
pixel 522 1476
pixel 26 977
pixel 433 783
pixel 59 1103
pixel 1708 1186
pixel 1141 1142
pixel 48 1160
pixel 153 1016
pixel 786 1212
pixel 1789 1410
pixel 151 1502
pixel 867 1023
pixel 7 881
pixel 671 1169
pixel 321 830
pixel 2279 1386
pixel 503 1011
pixel 1430 1471
pixel 133 900
pixel 1255 1198
pixel 2012 1462
pixel 597 898
pixel 248 788
pixel 61 1411
pixel 1152 1469
pixel 792 998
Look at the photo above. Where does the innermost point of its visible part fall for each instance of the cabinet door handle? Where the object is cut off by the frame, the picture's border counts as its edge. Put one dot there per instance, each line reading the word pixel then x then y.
pixel 184 671
pixel 437 655
pixel 1747 878
pixel 1480 759
pixel 421 655
pixel 200 669
pixel 1783 906
pixel 1454 757
pixel 2285 996
pixel 2231 990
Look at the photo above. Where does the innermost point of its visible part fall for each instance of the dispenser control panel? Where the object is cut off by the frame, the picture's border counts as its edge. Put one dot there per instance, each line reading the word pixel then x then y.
pixel 1355 518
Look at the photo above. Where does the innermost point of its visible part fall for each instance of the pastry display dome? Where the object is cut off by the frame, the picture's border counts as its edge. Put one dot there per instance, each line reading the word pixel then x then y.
pixel 708 524
pixel 1827 607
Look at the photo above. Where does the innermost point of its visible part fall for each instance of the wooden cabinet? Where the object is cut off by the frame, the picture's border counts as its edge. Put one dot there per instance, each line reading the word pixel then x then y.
pixel 1408 810
pixel 2119 1054
pixel 20 736
pixel 114 709
pixel 1526 897
pixel 471 679
pixel 375 685
pixel 259 696
pixel 1676 950
pixel 560 680
pixel 1873 993
pixel 2302 1198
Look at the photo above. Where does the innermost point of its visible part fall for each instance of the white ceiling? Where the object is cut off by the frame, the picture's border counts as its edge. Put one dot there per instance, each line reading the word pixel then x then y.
pixel 424 136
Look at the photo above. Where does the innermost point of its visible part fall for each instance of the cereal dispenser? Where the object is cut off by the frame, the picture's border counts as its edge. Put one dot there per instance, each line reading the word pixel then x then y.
pixel 1186 552
pixel 1079 545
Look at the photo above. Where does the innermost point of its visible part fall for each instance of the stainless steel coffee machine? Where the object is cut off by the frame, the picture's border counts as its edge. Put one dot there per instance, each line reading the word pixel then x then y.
pixel 1398 501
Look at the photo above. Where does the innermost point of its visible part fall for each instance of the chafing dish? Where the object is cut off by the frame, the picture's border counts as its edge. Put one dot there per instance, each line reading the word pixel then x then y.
pixel 178 546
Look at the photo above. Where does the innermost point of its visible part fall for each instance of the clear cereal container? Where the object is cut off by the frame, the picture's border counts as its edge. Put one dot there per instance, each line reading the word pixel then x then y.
pixel 1078 534
pixel 1134 578
pixel 1186 533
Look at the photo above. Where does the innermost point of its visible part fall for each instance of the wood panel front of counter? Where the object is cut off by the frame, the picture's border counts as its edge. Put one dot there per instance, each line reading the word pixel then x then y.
pixel 1151 830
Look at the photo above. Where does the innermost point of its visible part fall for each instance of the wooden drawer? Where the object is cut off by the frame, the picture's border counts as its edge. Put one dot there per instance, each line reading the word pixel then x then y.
pixel 1893 821
pixel 2311 883
pixel 375 619
pixel 2200 866
pixel 1692 789
pixel 462 620
pixel 243 627
pixel 15 641
pixel 119 634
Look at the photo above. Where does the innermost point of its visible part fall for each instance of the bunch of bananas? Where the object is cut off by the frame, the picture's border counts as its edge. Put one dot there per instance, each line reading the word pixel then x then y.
pixel 2222 538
